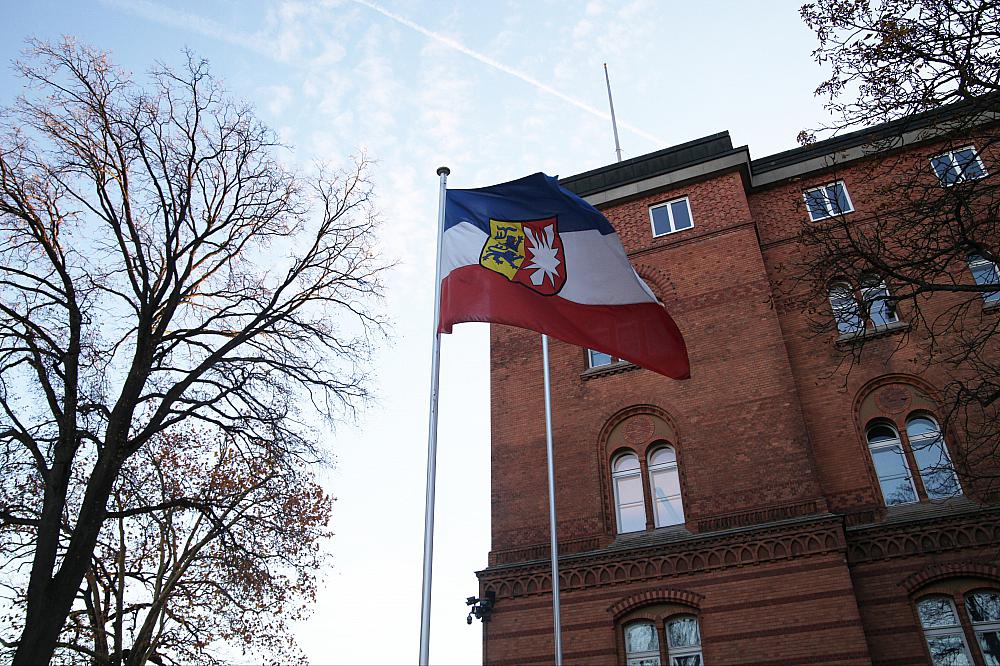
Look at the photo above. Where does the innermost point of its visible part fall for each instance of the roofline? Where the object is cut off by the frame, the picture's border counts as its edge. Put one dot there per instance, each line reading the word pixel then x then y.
pixel 714 153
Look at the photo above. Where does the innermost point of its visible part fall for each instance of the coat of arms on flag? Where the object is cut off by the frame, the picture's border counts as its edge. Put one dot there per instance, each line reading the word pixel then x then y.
pixel 527 252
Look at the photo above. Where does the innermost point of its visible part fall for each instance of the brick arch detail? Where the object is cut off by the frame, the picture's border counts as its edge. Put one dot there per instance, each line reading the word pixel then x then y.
pixel 936 572
pixel 658 596
pixel 657 280
pixel 605 452
pixel 872 386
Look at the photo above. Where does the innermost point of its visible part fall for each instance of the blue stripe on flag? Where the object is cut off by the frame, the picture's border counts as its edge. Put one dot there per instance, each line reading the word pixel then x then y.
pixel 533 197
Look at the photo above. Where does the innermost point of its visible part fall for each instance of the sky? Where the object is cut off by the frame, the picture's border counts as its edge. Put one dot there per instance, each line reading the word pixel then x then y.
pixel 495 91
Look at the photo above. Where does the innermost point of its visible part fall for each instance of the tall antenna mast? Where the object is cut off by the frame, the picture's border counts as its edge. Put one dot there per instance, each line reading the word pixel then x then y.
pixel 614 123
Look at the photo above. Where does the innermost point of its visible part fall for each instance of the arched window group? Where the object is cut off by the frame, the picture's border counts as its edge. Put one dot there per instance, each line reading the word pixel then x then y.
pixel 868 305
pixel 944 626
pixel 661 483
pixel 913 465
pixel 682 647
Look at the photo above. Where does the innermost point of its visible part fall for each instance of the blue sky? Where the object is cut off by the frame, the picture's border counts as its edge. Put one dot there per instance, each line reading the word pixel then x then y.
pixel 495 91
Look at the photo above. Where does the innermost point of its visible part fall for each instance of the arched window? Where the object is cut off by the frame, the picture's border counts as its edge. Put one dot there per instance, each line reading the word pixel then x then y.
pixel 845 308
pixel 642 647
pixel 875 297
pixel 629 498
pixel 683 641
pixel 983 607
pixel 665 483
pixel 931 456
pixel 890 464
pixel 943 632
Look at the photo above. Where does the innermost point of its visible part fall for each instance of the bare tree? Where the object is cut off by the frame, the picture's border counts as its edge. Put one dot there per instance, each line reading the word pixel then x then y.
pixel 158 266
pixel 930 234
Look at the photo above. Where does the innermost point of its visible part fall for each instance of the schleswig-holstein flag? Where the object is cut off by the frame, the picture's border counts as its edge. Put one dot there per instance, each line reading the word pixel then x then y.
pixel 532 254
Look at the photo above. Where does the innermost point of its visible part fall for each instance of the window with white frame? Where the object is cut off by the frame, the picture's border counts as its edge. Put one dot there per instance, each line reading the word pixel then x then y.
pixel 871 305
pixel 891 466
pixel 943 632
pixel 828 200
pixel 956 166
pixel 644 644
pixel 642 647
pixel 596 359
pixel 683 641
pixel 937 474
pixel 845 308
pixel 875 302
pixel 913 467
pixel 665 482
pixel 669 217
pixel 630 503
pixel 983 607
pixel 985 272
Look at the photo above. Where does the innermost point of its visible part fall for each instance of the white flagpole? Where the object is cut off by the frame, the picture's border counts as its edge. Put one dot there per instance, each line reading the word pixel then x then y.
pixel 556 625
pixel 614 124
pixel 425 604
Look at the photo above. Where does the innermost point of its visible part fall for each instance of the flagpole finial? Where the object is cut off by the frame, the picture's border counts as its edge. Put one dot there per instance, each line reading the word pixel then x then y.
pixel 444 170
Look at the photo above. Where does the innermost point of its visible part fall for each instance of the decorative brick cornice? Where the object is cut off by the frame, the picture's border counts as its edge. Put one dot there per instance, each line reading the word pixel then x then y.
pixel 616 566
pixel 664 595
pixel 936 572
pixel 907 539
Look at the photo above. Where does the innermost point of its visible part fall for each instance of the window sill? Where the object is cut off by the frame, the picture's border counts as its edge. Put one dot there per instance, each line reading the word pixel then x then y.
pixel 870 333
pixel 610 369
pixel 991 306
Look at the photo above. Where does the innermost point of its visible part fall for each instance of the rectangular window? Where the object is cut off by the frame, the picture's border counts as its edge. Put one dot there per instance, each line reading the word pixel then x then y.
pixel 671 216
pixel 985 272
pixel 829 200
pixel 957 166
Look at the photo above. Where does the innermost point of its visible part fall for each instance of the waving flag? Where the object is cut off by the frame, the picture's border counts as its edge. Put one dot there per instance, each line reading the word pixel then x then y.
pixel 534 255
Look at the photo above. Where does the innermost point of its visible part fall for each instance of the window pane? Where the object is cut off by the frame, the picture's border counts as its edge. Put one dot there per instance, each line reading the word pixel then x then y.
pixel 889 462
pixel 644 661
pixel 626 463
pixel 816 203
pixel 881 434
pixel 683 632
pixel 682 217
pixel 936 612
pixel 629 489
pixel 968 165
pixel 880 311
pixel 691 660
pixel 921 426
pixel 633 518
pixel 669 512
pixel 940 483
pixel 641 637
pixel 661 220
pixel 983 606
pixel 840 197
pixel 985 272
pixel 663 456
pixel 989 642
pixel 942 167
pixel 598 359
pixel 666 483
pixel 845 309
pixel 948 650
pixel 897 491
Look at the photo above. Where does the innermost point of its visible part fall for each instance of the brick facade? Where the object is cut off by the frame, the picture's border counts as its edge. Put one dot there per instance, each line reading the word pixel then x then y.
pixel 787 554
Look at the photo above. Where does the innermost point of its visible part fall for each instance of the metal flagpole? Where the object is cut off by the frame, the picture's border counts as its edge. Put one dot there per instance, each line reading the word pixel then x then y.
pixel 556 625
pixel 425 604
pixel 614 125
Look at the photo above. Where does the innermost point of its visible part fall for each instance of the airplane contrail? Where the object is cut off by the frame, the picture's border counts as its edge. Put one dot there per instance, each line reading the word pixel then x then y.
pixel 486 60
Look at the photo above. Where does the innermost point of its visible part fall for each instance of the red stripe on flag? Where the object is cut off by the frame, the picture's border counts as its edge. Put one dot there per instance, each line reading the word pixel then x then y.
pixel 642 333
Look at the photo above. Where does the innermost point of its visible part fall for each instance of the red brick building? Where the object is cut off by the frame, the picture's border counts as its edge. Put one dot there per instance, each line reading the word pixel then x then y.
pixel 773 509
